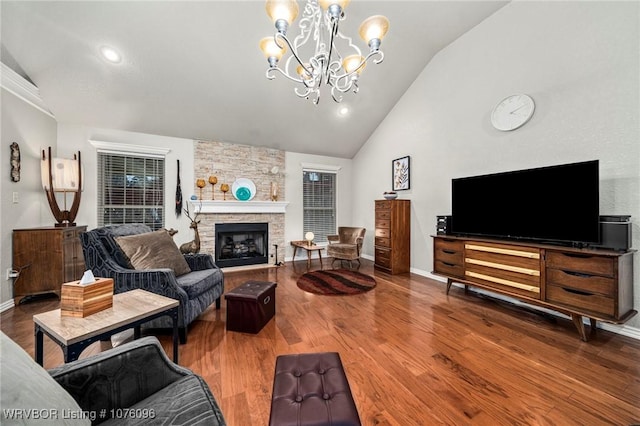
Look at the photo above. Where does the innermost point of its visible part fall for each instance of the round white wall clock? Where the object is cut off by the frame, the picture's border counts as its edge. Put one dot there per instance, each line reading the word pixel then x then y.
pixel 512 112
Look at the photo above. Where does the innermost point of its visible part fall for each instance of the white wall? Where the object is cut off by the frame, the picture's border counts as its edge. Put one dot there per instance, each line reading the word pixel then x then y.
pixel 293 193
pixel 578 60
pixel 34 131
pixel 73 138
pixel 76 137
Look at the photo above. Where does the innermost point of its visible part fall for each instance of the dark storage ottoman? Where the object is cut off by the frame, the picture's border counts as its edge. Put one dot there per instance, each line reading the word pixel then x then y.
pixel 312 389
pixel 251 306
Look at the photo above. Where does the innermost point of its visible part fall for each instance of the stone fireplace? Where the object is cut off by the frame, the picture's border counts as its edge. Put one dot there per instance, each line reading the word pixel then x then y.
pixel 229 162
pixel 241 244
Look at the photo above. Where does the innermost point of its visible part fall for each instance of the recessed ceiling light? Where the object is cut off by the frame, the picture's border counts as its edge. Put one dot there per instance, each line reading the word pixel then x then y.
pixel 343 111
pixel 110 54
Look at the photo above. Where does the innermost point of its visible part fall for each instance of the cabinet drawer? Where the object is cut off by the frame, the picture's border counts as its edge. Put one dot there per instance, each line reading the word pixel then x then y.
pixel 582 300
pixel 383 223
pixel 383 232
pixel 580 263
pixel 579 281
pixel 383 205
pixel 383 257
pixel 448 269
pixel 383 214
pixel 383 242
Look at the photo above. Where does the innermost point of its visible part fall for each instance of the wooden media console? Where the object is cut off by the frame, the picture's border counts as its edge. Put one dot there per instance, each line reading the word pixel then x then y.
pixel 592 283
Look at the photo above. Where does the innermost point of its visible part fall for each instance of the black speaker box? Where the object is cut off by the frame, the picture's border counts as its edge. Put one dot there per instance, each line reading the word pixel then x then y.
pixel 615 232
pixel 443 225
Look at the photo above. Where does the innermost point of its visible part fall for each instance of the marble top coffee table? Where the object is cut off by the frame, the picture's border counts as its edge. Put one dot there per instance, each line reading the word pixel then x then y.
pixel 130 310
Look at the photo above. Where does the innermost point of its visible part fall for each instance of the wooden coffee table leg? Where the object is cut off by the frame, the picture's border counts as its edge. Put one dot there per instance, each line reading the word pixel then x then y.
pixel 308 258
pixel 320 256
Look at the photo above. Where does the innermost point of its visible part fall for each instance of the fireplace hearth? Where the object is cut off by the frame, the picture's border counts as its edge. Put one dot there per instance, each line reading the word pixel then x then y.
pixel 241 244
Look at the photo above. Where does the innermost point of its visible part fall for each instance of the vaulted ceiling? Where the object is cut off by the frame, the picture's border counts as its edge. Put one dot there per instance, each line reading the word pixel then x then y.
pixel 193 69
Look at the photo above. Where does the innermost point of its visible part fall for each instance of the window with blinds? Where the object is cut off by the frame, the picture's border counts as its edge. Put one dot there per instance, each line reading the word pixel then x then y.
pixel 131 190
pixel 319 204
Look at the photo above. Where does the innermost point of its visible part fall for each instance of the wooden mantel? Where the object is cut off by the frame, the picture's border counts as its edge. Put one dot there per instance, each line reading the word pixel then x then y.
pixel 234 206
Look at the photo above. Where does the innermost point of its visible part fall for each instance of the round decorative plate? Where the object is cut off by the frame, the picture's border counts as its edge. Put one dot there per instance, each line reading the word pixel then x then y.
pixel 243 189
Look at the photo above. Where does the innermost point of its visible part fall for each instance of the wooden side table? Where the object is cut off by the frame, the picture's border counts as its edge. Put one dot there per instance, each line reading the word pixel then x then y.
pixel 303 244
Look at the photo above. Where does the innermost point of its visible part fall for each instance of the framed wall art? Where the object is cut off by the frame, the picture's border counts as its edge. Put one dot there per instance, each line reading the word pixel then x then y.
pixel 401 173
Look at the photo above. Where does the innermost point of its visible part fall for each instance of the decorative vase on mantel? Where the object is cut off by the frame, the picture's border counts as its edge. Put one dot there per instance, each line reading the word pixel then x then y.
pixel 224 188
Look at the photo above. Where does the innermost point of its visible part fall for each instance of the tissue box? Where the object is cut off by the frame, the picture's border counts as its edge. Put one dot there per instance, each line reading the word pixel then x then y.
pixel 82 300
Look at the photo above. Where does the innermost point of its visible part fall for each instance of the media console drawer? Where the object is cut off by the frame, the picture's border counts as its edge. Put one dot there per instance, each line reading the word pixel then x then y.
pixel 582 300
pixel 581 262
pixel 580 281
pixel 508 268
pixel 448 257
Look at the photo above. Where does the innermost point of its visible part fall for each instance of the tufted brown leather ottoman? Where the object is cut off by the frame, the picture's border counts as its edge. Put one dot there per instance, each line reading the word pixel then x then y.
pixel 311 389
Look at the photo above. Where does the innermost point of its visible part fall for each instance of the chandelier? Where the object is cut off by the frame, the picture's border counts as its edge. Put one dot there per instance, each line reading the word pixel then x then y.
pixel 321 39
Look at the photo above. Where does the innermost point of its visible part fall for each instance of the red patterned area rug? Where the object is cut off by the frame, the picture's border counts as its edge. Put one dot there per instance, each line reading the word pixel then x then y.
pixel 336 282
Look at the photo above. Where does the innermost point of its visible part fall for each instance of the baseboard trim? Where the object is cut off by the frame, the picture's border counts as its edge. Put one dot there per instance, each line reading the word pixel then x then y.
pixel 7 305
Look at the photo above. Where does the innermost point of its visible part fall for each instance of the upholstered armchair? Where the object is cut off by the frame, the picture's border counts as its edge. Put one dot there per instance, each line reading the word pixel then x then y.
pixel 347 245
pixel 134 383
pixel 196 282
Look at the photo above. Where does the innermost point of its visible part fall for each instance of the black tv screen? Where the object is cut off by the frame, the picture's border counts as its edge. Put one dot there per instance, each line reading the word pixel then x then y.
pixel 554 204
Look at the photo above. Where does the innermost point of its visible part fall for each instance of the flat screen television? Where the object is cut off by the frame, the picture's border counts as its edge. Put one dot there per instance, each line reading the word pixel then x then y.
pixel 558 204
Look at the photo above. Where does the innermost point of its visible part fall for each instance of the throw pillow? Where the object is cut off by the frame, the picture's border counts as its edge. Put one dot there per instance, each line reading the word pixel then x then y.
pixel 28 390
pixel 153 250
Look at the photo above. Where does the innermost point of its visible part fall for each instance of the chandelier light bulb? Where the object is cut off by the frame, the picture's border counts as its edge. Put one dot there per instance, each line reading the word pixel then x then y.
pixel 301 70
pixel 283 11
pixel 351 62
pixel 270 49
pixel 373 29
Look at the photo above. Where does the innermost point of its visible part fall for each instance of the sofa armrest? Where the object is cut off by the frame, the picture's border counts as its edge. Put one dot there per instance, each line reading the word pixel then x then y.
pixel 119 377
pixel 160 281
pixel 333 238
pixel 200 261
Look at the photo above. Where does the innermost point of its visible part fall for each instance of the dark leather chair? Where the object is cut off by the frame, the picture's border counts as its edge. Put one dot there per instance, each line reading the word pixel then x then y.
pixel 347 245
pixel 196 290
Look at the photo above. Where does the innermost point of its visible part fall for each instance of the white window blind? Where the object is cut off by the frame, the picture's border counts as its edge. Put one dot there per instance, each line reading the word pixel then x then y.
pixel 319 203
pixel 131 189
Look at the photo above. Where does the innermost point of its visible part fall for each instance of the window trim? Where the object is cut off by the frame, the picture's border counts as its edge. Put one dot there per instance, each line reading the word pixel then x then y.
pixel 328 169
pixel 129 150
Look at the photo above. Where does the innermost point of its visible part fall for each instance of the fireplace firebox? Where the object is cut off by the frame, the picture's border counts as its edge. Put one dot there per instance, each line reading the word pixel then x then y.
pixel 240 244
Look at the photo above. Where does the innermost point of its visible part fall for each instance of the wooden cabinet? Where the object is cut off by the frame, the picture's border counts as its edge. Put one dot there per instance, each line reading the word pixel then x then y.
pixel 392 240
pixel 597 284
pixel 46 258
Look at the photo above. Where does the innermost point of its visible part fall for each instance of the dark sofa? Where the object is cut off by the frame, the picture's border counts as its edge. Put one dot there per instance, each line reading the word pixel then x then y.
pixel 196 290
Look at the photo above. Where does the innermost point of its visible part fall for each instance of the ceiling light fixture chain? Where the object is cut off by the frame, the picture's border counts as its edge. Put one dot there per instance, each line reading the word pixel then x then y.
pixel 326 65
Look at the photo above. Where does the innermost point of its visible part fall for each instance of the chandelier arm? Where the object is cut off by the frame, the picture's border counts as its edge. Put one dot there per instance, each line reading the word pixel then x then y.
pixel 334 31
pixel 345 76
pixel 294 53
pixel 271 77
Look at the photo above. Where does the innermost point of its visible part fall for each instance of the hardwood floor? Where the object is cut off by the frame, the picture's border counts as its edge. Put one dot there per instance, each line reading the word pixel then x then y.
pixel 413 355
